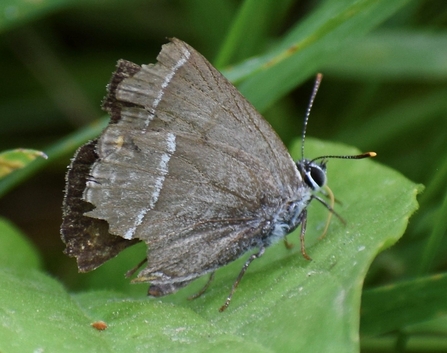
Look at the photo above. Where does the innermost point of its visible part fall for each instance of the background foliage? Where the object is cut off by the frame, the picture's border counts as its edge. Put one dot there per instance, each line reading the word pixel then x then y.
pixel 384 90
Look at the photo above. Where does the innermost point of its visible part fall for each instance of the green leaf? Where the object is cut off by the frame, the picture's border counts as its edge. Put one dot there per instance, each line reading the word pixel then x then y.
pixel 37 315
pixel 67 144
pixel 136 325
pixel 17 159
pixel 283 303
pixel 15 248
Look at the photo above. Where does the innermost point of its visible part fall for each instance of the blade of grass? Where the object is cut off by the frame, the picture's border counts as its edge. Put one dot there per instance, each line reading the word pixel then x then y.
pixel 393 307
pixel 249 29
pixel 432 247
pixel 309 45
pixel 63 147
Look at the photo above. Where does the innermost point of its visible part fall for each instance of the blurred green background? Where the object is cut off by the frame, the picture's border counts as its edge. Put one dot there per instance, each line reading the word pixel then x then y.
pixel 384 89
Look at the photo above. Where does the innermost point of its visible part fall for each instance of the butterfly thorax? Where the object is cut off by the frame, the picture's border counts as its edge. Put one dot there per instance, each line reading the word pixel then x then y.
pixel 292 212
pixel 288 218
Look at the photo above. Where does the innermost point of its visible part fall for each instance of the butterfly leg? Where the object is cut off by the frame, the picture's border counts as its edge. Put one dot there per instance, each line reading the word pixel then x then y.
pixel 331 197
pixel 203 290
pixel 241 274
pixel 132 271
pixel 302 234
pixel 288 244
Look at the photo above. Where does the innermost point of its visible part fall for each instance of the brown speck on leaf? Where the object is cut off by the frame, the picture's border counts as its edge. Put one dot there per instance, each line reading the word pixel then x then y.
pixel 99 325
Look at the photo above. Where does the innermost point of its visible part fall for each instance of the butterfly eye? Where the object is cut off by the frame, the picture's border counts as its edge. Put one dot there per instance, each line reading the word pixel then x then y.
pixel 318 175
pixel 314 175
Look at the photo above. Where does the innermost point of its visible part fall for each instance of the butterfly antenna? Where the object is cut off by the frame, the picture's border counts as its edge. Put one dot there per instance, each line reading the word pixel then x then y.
pixel 356 156
pixel 309 108
pixel 306 119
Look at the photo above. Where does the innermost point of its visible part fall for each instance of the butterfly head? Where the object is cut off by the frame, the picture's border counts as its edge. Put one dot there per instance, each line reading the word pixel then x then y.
pixel 313 173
